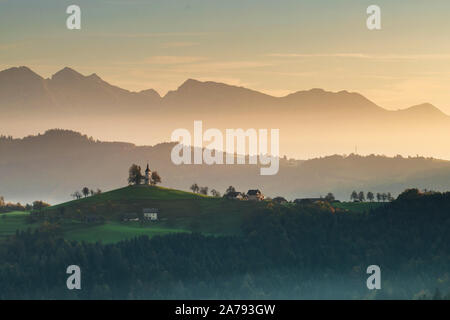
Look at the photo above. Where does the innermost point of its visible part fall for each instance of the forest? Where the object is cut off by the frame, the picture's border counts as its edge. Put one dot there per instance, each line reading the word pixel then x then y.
pixel 304 251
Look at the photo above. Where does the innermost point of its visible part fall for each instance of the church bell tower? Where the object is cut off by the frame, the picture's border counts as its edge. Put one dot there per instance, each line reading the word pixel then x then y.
pixel 148 174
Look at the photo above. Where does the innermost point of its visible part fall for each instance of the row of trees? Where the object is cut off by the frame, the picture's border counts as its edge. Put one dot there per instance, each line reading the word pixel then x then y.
pixel 9 207
pixel 204 190
pixel 370 196
pixel 135 176
pixel 85 192
pixel 355 196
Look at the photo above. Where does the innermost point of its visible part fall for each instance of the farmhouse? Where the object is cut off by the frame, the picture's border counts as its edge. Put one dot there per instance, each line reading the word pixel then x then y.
pixel 279 200
pixel 255 195
pixel 150 214
pixel 308 200
pixel 236 195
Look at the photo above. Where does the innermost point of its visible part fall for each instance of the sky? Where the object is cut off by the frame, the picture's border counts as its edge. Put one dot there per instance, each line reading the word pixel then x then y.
pixel 277 47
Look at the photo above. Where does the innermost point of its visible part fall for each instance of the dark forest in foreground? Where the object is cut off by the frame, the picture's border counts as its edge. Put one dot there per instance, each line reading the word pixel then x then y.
pixel 285 252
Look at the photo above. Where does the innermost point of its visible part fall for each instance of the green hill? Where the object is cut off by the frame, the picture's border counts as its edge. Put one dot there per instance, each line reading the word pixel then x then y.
pixel 12 221
pixel 100 217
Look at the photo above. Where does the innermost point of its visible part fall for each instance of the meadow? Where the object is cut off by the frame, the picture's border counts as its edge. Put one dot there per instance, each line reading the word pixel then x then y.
pixel 12 221
pixel 180 212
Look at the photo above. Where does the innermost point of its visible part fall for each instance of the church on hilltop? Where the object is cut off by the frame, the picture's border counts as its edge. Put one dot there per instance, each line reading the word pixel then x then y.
pixel 147 177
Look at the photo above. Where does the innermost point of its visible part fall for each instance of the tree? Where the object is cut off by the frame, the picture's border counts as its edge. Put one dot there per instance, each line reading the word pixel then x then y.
pixel 330 197
pixel 195 188
pixel 361 196
pixel 135 175
pixel 379 197
pixel 384 197
pixel 370 196
pixel 39 205
pixel 85 191
pixel 409 194
pixel 390 197
pixel 230 189
pixel 354 196
pixel 215 193
pixel 92 192
pixel 155 178
pixel 98 191
pixel 204 190
pixel 76 195
pixel 2 201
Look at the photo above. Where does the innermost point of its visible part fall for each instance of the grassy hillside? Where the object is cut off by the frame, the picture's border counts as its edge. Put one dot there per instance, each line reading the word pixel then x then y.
pixel 179 212
pixel 12 221
pixel 111 231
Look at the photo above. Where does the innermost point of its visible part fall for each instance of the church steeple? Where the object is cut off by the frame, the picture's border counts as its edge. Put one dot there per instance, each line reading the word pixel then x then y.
pixel 147 175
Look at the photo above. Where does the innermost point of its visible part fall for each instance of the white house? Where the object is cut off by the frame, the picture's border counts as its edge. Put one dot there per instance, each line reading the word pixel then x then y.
pixel 151 214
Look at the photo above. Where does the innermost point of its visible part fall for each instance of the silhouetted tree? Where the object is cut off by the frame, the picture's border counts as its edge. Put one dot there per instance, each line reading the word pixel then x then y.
pixel 354 196
pixel 85 191
pixel 204 190
pixel 215 193
pixel 230 189
pixel 195 188
pixel 370 196
pixel 330 197
pixel 390 198
pixel 361 196
pixel 76 195
pixel 39 205
pixel 135 175
pixel 155 178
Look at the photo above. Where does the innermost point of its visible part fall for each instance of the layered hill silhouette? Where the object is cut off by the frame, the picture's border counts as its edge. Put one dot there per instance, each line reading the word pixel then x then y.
pixel 312 122
pixel 53 165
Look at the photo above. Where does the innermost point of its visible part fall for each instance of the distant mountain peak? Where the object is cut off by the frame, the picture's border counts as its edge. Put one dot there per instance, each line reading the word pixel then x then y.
pixel 211 87
pixel 67 74
pixel 425 109
pixel 190 84
pixel 316 90
pixel 94 76
pixel 20 73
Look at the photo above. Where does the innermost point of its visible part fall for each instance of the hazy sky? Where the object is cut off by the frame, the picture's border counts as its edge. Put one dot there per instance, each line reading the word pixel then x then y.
pixel 277 47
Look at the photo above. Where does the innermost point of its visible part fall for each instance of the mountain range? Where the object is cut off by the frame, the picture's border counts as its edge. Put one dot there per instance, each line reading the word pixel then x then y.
pixel 312 122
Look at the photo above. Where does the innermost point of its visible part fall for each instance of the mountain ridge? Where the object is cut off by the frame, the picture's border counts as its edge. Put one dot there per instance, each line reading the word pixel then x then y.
pixel 192 87
pixel 311 122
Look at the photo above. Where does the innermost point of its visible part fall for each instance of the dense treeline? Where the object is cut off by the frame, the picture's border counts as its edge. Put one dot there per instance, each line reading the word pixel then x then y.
pixel 303 251
pixel 10 207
